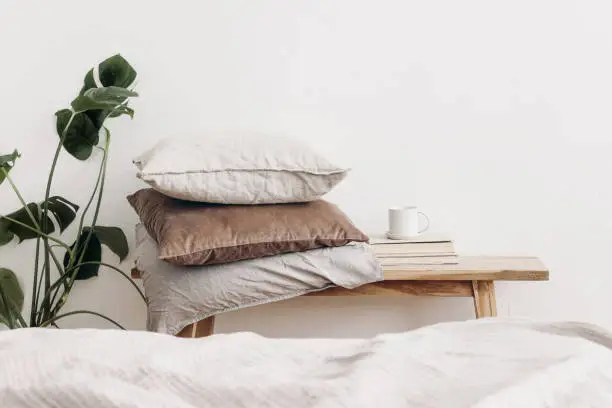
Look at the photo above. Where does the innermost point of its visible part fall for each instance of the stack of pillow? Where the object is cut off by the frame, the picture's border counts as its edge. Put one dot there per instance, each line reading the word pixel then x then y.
pixel 225 199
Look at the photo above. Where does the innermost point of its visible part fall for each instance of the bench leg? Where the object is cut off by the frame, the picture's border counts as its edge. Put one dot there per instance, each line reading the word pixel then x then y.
pixel 203 328
pixel 484 299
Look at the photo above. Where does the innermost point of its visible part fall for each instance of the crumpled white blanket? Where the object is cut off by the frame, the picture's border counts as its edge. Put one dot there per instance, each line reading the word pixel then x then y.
pixel 487 363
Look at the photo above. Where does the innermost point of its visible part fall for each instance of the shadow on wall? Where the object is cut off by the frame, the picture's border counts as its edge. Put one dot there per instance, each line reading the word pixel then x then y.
pixel 344 317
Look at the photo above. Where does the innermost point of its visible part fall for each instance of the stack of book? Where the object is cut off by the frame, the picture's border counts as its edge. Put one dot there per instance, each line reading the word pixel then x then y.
pixel 417 252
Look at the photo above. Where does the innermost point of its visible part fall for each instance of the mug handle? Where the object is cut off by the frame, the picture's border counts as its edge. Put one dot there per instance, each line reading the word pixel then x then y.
pixel 426 219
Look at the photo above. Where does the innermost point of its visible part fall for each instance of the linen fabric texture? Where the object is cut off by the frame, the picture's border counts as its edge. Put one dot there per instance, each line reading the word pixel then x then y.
pixel 488 363
pixel 178 296
pixel 238 169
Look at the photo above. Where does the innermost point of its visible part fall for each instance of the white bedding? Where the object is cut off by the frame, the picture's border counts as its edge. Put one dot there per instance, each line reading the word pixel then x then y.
pixel 487 363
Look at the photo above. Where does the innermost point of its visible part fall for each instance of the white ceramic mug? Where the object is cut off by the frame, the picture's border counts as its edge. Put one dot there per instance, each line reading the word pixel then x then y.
pixel 404 222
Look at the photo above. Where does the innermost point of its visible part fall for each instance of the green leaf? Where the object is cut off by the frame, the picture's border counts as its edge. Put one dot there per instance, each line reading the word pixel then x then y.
pixel 12 293
pixel 116 71
pixel 109 98
pixel 124 110
pixel 7 162
pixel 93 253
pixel 110 94
pixel 22 216
pixel 82 135
pixel 6 235
pixel 96 116
pixel 63 210
pixel 9 158
pixel 89 82
pixel 113 71
pixel 113 238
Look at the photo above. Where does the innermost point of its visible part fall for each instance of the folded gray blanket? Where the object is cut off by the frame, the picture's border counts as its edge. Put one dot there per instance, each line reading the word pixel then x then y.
pixel 179 295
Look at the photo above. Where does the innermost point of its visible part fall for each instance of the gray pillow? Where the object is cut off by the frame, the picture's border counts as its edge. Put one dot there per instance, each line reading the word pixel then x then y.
pixel 180 295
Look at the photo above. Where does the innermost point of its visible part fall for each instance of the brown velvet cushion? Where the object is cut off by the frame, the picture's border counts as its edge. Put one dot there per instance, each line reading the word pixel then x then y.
pixel 190 233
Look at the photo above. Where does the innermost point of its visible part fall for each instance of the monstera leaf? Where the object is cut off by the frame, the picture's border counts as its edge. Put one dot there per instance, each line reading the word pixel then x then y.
pixel 82 135
pixel 7 162
pixel 11 297
pixel 112 237
pixel 94 106
pixel 113 71
pixel 23 217
pixel 108 98
pixel 62 210
pixel 6 235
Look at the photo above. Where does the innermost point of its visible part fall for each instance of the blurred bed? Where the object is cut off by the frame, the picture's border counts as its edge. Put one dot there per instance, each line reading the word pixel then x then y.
pixel 486 363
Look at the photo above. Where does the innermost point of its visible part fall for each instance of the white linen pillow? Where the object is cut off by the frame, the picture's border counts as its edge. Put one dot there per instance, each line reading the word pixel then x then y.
pixel 230 169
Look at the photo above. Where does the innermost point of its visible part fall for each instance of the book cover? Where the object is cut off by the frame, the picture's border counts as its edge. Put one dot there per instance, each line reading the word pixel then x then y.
pixel 381 239
pixel 415 249
pixel 425 260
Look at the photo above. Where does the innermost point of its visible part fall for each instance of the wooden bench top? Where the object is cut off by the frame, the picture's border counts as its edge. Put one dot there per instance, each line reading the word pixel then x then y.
pixel 469 268
pixel 472 277
pixel 448 280
pixel 474 268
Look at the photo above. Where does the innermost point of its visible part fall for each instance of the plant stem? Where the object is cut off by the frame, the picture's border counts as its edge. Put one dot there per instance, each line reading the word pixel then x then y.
pixel 36 290
pixel 62 300
pixel 46 268
pixel 119 271
pixel 56 286
pixel 54 319
pixel 35 287
pixel 91 198
pixel 60 270
pixel 39 233
pixel 77 246
pixel 22 322
pixel 34 304
pixel 23 202
pixel 58 265
pixel 29 212
pixel 47 280
pixel 54 164
pixel 99 202
pixel 7 308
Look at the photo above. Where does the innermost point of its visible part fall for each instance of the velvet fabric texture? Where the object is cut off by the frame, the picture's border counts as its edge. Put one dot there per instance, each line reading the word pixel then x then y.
pixel 191 233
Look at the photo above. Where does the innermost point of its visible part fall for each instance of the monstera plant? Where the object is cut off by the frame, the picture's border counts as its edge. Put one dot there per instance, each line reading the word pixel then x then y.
pixel 58 261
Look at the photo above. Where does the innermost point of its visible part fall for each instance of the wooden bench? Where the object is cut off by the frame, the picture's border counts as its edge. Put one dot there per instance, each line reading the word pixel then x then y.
pixel 473 276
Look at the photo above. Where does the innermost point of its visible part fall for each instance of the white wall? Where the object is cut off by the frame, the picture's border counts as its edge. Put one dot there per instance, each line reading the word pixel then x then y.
pixel 493 116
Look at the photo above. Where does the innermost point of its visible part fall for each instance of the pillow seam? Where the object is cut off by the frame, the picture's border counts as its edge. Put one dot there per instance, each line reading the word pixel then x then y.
pixel 307 171
pixel 163 257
